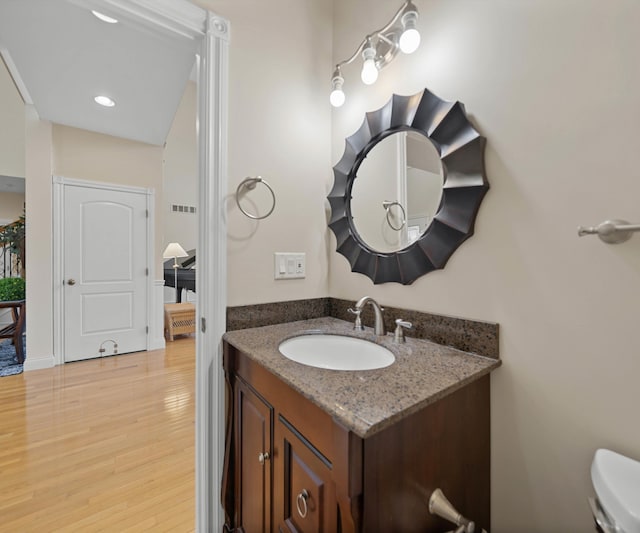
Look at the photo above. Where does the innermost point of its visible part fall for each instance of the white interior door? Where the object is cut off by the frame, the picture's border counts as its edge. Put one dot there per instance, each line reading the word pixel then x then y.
pixel 105 272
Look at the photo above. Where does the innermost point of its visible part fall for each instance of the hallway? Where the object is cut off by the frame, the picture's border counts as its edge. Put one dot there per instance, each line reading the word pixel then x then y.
pixel 100 445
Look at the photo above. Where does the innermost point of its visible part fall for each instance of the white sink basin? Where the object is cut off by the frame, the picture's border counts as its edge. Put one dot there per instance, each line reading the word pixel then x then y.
pixel 336 352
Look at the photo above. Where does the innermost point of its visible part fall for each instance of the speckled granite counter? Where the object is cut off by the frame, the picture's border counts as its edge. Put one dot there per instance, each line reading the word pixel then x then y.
pixel 365 401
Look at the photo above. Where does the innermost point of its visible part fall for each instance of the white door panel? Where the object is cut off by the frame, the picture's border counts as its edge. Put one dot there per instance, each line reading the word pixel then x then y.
pixel 106 246
pixel 105 269
pixel 103 312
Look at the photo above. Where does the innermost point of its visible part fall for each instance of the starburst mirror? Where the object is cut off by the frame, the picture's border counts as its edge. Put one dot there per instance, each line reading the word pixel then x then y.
pixel 403 212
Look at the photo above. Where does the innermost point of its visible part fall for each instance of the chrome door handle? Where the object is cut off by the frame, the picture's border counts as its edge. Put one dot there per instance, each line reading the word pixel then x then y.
pixel 71 281
pixel 263 457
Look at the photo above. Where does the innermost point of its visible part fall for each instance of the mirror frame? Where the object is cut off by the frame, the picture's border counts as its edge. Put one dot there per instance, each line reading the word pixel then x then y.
pixel 461 150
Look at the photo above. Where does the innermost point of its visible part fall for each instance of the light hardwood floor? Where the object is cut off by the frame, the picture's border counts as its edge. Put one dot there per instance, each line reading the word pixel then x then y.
pixel 100 445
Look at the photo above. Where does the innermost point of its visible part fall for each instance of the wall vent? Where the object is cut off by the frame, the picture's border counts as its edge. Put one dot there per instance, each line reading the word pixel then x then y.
pixel 189 209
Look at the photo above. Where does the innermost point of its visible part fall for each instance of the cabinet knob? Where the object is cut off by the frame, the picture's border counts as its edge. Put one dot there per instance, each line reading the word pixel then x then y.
pixel 264 456
pixel 71 281
pixel 301 503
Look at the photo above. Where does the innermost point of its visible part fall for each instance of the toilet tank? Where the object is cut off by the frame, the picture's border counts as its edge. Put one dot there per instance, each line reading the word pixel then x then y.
pixel 616 480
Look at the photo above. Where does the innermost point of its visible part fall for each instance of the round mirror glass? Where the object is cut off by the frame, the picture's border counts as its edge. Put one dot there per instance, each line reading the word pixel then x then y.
pixel 397 191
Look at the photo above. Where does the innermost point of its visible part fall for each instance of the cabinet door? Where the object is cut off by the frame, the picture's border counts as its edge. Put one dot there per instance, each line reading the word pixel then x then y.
pixel 304 491
pixel 254 418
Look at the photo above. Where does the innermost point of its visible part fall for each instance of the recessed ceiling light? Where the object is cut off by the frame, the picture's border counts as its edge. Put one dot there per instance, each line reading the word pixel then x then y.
pixel 103 17
pixel 105 101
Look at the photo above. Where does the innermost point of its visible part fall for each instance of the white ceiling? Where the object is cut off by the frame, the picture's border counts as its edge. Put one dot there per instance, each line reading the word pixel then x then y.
pixel 12 184
pixel 61 56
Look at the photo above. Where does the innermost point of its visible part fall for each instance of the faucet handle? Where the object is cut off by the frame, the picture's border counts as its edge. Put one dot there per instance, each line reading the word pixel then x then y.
pixel 401 325
pixel 358 323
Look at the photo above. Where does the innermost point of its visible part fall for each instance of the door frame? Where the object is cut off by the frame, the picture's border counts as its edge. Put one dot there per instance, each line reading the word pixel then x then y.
pixel 211 281
pixel 59 184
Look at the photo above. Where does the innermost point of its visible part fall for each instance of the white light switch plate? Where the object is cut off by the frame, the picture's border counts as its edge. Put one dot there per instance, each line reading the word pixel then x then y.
pixel 289 265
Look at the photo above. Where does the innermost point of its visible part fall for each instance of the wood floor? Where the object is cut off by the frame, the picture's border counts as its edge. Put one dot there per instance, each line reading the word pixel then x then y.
pixel 100 445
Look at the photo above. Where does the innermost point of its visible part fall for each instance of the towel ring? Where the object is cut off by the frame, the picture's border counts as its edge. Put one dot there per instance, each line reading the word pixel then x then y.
pixel 387 206
pixel 250 184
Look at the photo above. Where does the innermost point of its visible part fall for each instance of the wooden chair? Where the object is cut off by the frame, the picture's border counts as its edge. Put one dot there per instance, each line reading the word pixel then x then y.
pixel 15 330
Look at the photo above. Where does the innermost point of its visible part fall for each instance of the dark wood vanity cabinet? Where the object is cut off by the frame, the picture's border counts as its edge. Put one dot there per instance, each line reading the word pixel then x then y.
pixel 290 467
pixel 304 494
pixel 253 435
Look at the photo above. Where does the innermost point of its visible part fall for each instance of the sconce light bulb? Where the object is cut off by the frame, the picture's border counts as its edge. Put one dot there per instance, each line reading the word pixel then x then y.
pixel 369 72
pixel 337 97
pixel 409 41
pixel 410 38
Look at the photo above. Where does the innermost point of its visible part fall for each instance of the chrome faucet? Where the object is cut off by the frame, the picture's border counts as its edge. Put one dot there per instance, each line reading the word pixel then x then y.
pixel 379 323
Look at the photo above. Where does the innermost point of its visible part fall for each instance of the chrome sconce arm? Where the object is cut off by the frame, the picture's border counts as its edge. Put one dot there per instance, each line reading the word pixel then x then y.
pixel 379 48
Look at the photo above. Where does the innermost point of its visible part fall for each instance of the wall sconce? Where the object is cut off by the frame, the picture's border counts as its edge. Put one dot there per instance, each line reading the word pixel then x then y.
pixel 379 48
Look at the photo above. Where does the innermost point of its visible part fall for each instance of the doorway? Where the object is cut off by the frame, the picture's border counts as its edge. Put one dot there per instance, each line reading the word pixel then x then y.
pixel 104 244
pixel 208 34
pixel 12 190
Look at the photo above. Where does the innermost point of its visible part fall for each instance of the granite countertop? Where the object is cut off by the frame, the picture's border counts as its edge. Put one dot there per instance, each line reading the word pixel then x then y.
pixel 365 401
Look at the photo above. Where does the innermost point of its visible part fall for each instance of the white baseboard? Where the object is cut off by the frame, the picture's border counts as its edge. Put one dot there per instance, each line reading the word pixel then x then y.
pixel 39 363
pixel 157 343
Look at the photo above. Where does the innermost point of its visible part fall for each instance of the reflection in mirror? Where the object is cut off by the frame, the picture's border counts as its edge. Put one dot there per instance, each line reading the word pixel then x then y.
pixel 397 191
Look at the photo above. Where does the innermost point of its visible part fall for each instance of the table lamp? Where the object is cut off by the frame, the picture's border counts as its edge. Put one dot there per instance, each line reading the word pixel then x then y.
pixel 174 250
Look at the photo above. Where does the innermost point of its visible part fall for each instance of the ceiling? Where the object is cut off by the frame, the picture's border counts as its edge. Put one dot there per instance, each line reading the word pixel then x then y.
pixel 12 184
pixel 61 56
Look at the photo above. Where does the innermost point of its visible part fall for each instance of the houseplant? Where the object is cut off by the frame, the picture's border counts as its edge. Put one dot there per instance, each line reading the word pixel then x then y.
pixel 13 236
pixel 12 289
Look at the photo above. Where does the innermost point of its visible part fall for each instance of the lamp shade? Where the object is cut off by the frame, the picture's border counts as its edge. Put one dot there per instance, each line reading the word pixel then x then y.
pixel 173 249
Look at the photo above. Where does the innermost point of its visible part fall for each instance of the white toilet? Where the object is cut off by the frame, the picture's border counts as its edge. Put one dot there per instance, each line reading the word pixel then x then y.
pixel 616 480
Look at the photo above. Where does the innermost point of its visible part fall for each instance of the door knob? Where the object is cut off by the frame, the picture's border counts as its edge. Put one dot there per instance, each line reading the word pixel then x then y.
pixel 71 281
pixel 263 457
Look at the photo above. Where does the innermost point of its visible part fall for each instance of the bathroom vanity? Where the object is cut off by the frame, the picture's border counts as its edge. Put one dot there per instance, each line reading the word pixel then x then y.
pixel 315 450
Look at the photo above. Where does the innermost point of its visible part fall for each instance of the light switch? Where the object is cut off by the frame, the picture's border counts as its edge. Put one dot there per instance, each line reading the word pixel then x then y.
pixel 289 265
